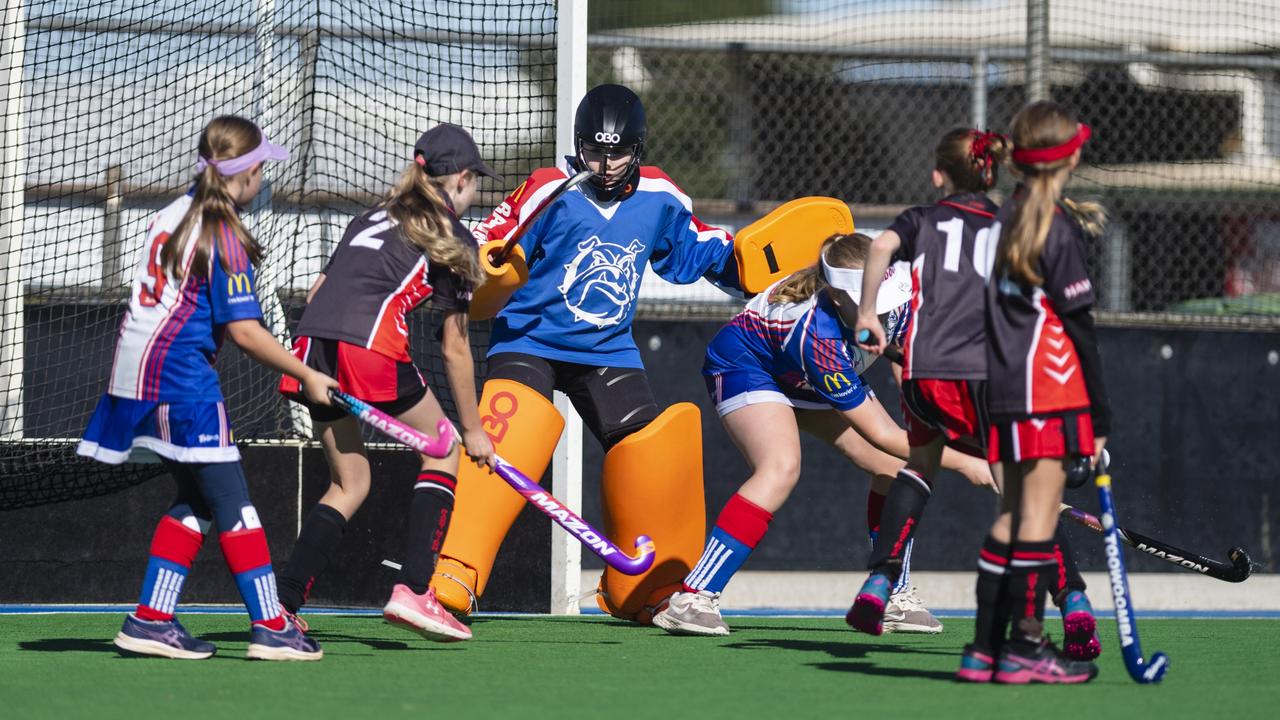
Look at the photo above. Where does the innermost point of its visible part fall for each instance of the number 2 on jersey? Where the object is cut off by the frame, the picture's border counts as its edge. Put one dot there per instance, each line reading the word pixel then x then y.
pixel 984 246
pixel 153 285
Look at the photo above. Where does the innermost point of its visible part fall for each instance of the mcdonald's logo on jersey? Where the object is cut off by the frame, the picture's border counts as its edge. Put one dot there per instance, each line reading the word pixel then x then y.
pixel 239 284
pixel 835 381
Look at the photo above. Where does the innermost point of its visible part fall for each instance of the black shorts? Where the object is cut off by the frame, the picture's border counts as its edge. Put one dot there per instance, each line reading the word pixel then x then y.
pixel 613 402
pixel 388 384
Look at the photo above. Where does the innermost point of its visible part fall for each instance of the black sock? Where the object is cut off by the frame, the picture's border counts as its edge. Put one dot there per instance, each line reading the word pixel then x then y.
pixel 1031 571
pixel 993 601
pixel 903 507
pixel 321 533
pixel 1068 577
pixel 429 513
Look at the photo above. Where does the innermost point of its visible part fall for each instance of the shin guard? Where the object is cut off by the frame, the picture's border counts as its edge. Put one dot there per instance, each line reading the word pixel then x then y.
pixel 524 428
pixel 652 485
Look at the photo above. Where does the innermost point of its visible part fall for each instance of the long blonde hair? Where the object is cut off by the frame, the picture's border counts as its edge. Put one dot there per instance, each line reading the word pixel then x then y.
pixel 416 203
pixel 1043 124
pixel 223 138
pixel 846 251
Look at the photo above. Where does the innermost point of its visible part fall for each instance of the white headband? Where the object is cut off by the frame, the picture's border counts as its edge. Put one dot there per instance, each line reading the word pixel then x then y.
pixel 846 279
pixel 895 289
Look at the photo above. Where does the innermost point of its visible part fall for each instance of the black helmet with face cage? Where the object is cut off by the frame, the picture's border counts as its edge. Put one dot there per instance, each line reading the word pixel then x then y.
pixel 611 119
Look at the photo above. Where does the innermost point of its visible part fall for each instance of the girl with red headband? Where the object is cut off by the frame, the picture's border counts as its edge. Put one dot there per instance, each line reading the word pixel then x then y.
pixel 944 366
pixel 1045 396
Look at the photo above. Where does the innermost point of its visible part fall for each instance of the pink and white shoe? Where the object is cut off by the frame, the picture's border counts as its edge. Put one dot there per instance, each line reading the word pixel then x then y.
pixel 424 615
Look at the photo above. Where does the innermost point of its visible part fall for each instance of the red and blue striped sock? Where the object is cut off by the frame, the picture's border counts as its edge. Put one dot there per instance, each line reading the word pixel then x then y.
pixel 737 532
pixel 173 549
pixel 249 560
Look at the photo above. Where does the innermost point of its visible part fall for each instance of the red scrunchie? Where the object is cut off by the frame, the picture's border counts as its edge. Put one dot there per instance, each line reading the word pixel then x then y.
pixel 980 150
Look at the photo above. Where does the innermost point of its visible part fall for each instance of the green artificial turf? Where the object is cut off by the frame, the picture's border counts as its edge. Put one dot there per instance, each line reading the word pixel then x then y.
pixel 64 666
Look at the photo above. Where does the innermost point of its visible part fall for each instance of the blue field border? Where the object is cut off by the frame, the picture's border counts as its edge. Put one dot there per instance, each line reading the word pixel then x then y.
pixel 32 609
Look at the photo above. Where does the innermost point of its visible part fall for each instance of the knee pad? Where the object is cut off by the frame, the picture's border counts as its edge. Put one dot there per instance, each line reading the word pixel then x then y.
pixel 524 427
pixel 652 485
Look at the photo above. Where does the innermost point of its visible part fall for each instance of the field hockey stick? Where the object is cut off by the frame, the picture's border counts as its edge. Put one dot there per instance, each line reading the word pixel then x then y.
pixel 441 445
pixel 1236 571
pixel 1140 669
pixel 501 256
pixel 437 447
pixel 593 539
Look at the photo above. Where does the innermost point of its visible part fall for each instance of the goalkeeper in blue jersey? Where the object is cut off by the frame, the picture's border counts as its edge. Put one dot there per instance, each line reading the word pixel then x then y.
pixel 568 328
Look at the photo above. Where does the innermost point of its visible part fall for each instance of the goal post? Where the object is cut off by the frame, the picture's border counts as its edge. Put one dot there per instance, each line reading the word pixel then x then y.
pixel 566 483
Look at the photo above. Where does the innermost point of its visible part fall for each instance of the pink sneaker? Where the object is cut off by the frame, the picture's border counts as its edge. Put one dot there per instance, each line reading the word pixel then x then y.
pixel 424 615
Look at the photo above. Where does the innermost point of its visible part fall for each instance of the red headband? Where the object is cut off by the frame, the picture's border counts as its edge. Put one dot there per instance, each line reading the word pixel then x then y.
pixel 1032 156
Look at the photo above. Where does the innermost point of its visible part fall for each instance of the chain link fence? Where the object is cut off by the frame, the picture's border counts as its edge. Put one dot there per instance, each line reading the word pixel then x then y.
pixel 847 99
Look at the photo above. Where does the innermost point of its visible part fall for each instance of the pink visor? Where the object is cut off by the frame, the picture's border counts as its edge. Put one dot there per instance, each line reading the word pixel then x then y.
pixel 266 150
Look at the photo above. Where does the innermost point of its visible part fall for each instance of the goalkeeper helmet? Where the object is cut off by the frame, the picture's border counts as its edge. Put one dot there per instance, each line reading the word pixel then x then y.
pixel 609 124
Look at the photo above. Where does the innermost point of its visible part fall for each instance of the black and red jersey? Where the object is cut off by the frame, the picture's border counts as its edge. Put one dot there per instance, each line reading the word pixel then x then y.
pixel 949 246
pixel 373 279
pixel 1034 367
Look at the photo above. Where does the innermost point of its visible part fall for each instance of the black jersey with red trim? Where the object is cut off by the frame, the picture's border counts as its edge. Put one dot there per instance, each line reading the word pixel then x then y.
pixel 949 246
pixel 1033 367
pixel 373 279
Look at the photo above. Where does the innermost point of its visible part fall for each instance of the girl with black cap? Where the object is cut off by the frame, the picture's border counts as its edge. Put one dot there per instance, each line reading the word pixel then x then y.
pixel 409 248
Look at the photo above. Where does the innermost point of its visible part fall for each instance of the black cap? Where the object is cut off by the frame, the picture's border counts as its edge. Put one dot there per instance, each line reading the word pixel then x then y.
pixel 447 149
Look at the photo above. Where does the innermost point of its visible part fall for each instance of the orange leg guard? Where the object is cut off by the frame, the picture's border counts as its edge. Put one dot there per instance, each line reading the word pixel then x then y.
pixel 652 485
pixel 525 428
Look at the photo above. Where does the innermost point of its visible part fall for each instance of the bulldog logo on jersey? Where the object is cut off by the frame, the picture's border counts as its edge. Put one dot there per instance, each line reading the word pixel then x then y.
pixel 601 281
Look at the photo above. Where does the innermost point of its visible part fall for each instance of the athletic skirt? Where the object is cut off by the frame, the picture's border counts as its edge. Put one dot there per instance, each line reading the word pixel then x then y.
pixel 1068 434
pixel 123 430
pixel 388 384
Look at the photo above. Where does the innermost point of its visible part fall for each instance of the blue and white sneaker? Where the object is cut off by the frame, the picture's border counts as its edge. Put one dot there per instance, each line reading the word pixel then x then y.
pixel 287 644
pixel 161 638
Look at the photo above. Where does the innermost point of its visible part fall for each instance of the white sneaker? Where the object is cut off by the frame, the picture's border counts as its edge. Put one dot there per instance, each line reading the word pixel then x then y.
pixel 696 613
pixel 906 613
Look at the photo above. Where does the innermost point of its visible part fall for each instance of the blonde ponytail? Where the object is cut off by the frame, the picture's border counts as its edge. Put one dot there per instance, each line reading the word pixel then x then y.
pixel 213 205
pixel 416 203
pixel 1041 125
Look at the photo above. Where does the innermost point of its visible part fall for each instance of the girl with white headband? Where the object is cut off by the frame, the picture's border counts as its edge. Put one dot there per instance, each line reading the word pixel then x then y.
pixel 787 363
pixel 193 286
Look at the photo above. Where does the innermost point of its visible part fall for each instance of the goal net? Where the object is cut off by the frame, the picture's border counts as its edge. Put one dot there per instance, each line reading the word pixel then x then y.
pixel 103 102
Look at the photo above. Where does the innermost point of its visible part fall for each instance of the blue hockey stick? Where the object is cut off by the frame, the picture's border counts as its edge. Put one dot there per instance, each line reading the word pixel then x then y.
pixel 1139 668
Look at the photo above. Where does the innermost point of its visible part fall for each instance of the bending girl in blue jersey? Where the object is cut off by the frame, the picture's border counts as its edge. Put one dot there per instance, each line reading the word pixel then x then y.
pixel 410 248
pixel 788 363
pixel 194 286
pixel 949 245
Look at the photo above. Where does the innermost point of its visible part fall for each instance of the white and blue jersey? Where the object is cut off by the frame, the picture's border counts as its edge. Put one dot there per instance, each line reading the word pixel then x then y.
pixel 586 259
pixel 163 393
pixel 798 354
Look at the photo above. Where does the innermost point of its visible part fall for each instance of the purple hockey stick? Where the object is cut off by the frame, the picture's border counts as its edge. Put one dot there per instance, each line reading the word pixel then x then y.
pixel 441 445
pixel 577 527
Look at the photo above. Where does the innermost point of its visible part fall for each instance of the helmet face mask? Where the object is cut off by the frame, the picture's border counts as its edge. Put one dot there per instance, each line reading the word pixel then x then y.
pixel 610 125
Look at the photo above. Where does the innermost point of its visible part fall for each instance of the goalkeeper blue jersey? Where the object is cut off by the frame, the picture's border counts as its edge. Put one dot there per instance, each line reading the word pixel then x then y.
pixel 586 259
